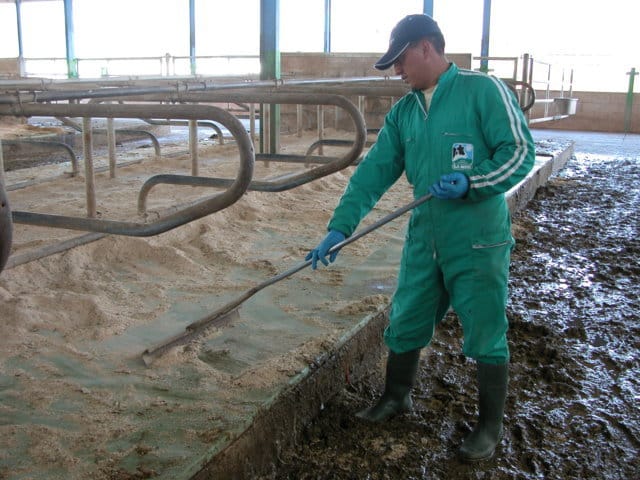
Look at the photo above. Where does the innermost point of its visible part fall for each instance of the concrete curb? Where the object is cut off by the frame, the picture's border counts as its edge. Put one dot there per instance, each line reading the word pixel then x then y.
pixel 544 168
pixel 256 450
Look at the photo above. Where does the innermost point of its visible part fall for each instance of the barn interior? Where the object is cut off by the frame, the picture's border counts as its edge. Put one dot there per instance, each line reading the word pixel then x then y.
pixel 158 317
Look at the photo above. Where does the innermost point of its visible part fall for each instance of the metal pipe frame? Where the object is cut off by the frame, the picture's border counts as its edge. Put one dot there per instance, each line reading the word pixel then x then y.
pixel 331 142
pixel 73 84
pixel 32 182
pixel 182 123
pixel 181 216
pixel 51 144
pixel 385 86
pixel 111 131
pixel 41 92
pixel 365 86
pixel 285 182
pixel 527 98
pixel 135 131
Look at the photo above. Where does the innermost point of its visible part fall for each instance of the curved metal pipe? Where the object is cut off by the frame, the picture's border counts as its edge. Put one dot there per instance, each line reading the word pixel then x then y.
pixel 288 158
pixel 133 131
pixel 529 93
pixel 6 226
pixel 180 123
pixel 187 214
pixel 127 131
pixel 331 143
pixel 47 143
pixel 47 250
pixel 32 182
pixel 288 181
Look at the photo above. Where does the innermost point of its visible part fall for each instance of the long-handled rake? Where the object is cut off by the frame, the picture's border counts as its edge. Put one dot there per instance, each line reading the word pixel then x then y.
pixel 224 314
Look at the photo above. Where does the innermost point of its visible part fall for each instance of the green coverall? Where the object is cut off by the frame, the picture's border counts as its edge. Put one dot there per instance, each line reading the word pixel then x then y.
pixel 456 252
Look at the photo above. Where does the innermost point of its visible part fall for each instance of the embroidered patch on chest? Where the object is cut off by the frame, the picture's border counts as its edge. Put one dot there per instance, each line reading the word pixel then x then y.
pixel 462 156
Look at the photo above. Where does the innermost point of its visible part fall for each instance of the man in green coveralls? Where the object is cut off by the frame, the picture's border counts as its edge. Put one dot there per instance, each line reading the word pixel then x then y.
pixel 461 136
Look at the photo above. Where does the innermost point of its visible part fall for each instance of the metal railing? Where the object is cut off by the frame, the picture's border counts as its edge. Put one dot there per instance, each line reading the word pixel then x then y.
pixel 34 102
pixel 28 98
pixel 543 79
pixel 191 212
pixel 162 65
pixel 290 180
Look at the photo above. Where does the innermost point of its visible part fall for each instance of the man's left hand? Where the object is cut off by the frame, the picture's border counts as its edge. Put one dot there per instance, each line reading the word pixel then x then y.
pixel 451 186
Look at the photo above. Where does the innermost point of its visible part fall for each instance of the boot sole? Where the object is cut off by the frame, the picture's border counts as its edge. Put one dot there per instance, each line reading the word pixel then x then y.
pixel 468 459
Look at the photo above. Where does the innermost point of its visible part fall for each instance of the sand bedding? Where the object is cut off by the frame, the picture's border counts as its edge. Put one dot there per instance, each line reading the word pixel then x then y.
pixel 75 398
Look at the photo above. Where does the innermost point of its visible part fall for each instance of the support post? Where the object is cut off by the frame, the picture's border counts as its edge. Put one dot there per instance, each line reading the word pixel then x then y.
pixel 89 176
pixel 486 27
pixel 327 26
pixel 252 124
pixel 628 110
pixel 20 46
pixel 320 128
pixel 111 145
pixel 192 36
pixel 427 7
pixel 72 62
pixel 270 66
pixel 193 146
pixel 524 100
pixel 1 165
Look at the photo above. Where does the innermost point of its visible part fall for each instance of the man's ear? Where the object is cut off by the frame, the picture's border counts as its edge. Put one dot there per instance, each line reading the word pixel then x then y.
pixel 426 48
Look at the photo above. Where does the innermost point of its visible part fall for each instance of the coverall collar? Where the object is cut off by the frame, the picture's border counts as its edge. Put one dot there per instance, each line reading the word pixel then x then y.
pixel 443 80
pixel 446 76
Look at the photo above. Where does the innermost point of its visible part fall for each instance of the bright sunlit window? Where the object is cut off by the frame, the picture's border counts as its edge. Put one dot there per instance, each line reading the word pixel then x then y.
pixel 120 28
pixel 8 31
pixel 365 25
pixel 591 40
pixel 301 26
pixel 43 29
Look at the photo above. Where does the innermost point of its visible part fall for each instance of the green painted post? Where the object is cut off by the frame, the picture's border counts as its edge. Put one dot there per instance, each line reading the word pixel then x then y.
pixel 327 26
pixel 192 37
pixel 629 106
pixel 72 61
pixel 427 7
pixel 484 46
pixel 20 49
pixel 270 66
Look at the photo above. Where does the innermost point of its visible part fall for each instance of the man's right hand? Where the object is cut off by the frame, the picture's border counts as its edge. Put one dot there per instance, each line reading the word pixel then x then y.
pixel 332 238
pixel 450 186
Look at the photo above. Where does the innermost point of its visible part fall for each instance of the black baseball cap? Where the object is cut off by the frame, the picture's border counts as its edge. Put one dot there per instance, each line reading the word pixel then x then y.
pixel 409 29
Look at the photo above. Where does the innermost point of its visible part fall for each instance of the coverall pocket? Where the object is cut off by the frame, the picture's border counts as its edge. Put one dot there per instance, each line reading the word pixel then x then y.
pixel 465 136
pixel 458 147
pixel 491 255
pixel 502 243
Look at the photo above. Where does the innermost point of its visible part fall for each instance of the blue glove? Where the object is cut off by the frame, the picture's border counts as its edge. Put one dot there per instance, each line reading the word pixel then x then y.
pixel 452 185
pixel 332 238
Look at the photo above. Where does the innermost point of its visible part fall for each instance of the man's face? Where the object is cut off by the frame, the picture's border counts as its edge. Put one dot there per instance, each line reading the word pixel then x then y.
pixel 412 65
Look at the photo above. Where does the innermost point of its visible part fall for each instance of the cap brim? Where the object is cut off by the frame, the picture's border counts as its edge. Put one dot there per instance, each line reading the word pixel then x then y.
pixel 391 56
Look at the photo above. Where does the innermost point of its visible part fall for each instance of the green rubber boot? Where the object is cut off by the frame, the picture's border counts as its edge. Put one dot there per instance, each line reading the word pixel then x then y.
pixel 402 369
pixel 483 440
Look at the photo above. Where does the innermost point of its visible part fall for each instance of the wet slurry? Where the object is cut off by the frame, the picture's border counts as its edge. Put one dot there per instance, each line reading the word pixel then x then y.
pixel 573 405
